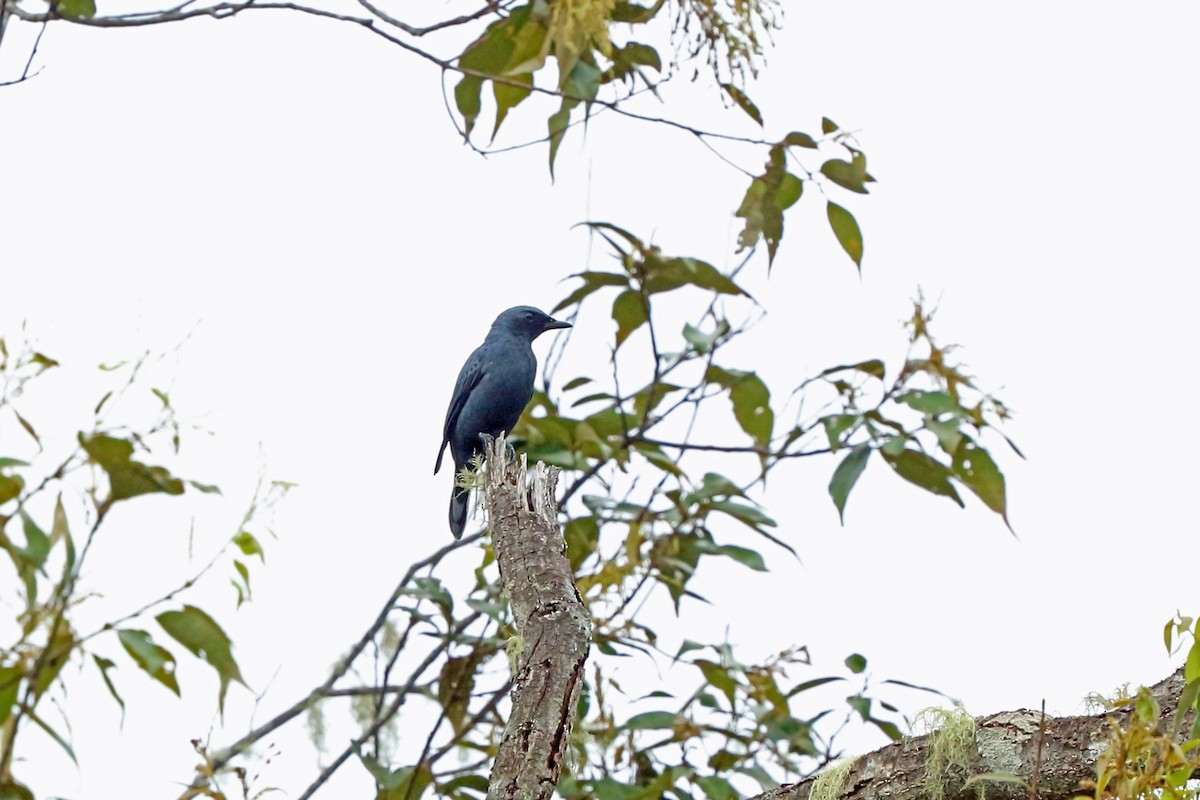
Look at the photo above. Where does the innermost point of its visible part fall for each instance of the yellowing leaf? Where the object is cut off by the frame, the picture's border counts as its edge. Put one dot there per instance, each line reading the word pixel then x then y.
pixel 845 228
pixel 201 635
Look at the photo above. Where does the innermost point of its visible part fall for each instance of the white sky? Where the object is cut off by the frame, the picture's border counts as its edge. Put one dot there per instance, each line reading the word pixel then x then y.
pixel 292 195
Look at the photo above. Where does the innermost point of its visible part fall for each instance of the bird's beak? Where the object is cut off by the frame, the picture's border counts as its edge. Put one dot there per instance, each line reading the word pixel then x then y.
pixel 554 324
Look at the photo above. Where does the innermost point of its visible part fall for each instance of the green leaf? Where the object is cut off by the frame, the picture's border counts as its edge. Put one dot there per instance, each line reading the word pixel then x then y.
pixel 743 555
pixel 467 98
pixel 592 282
pixel 749 515
pixel 718 677
pixel 107 451
pixel 701 341
pixel 978 472
pixel 58 652
pixel 828 126
pixel 10 487
pixel 764 202
pixel 249 545
pixel 201 635
pixel 492 51
pixel 609 789
pixel 947 432
pixel 455 684
pixel 873 367
pixel 207 488
pixel 627 59
pixel 75 9
pixel 643 54
pixel 431 589
pixel 845 228
pixel 799 139
pixel 845 476
pixel 528 35
pixel 889 728
pixel 664 275
pixel 41 359
pixel 650 720
pixel 634 13
pixel 922 470
pixel 61 532
pixel 933 403
pixel 1191 667
pixel 494 610
pixel 28 426
pixel 557 125
pixel 406 783
pixel 53 734
pixel 630 313
pixel 104 399
pixel 575 383
pixel 156 661
pixel 477 783
pixel 687 647
pixel 127 478
pixel 5 463
pixel 850 174
pixel 790 189
pixel 10 685
pixel 856 663
pixel 812 684
pixel 716 788
pixel 744 102
pixel 713 484
pixel 751 401
pixel 837 424
pixel 860 704
pixel 104 665
pixel 582 82
pixel 510 95
pixel 37 543
pixel 1187 699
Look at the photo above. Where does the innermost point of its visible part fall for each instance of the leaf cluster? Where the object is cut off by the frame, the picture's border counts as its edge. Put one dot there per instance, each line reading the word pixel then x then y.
pixel 54 511
pixel 1143 758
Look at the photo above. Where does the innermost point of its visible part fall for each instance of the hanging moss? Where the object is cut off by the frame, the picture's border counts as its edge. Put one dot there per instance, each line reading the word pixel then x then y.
pixel 830 782
pixel 952 748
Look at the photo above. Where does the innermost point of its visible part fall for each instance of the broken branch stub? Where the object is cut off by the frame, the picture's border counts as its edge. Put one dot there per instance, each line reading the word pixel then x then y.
pixel 553 626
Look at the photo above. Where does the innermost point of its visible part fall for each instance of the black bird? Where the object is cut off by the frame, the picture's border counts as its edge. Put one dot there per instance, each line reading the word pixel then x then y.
pixel 492 391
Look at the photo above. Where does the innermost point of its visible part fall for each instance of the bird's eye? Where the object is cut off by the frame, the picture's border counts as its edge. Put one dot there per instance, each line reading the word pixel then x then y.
pixel 528 315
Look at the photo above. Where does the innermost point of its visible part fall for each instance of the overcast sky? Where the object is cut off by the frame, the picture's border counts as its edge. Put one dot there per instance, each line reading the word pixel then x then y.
pixel 290 198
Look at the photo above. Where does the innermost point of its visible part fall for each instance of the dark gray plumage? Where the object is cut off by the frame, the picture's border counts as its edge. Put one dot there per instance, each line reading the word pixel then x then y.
pixel 492 391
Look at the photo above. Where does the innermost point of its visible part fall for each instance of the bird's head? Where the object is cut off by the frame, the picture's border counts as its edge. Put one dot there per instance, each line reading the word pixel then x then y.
pixel 527 321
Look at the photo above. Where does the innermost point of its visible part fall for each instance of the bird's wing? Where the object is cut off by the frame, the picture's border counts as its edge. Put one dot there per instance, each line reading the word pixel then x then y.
pixel 468 379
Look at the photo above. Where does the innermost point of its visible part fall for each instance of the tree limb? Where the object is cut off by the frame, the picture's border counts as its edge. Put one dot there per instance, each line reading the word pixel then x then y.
pixel 1008 742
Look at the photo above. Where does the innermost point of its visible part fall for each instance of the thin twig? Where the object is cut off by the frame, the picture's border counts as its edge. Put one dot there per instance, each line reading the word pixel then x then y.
pixel 1037 763
pixel 232 751
pixel 391 710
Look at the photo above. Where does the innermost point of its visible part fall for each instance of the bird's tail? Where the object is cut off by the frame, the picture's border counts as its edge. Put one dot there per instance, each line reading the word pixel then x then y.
pixel 458 510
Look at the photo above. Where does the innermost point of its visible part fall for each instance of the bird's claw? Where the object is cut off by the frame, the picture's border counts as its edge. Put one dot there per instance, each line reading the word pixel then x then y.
pixel 489 442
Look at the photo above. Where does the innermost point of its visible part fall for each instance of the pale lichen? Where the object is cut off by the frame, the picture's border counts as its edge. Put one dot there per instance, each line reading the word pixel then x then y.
pixel 831 781
pixel 952 748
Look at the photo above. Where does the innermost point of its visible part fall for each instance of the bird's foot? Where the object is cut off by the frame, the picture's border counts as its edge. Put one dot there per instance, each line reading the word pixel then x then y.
pixel 489 442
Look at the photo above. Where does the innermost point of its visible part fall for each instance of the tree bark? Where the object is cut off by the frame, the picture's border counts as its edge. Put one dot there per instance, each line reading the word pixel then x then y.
pixel 1007 742
pixel 553 627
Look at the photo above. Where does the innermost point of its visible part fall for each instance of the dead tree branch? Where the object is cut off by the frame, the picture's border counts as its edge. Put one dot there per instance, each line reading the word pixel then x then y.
pixel 553 627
